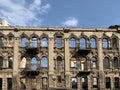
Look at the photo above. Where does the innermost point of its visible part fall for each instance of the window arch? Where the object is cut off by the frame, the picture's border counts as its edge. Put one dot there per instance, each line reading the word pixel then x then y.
pixel 1 42
pixel 72 42
pixel 10 62
pixel 59 63
pixel 34 42
pixel 93 43
pixel 105 43
pixel 106 63
pixel 44 42
pixel 83 43
pixel 34 63
pixel 93 62
pixel 115 63
pixel 23 41
pixel 44 62
pixel 1 62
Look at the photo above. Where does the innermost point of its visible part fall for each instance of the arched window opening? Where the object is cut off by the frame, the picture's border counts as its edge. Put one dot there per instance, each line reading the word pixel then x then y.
pixel 74 83
pixel 83 63
pixel 59 63
pixel 73 62
pixel 1 42
pixel 93 62
pixel 72 42
pixel 95 82
pixel 23 63
pixel 108 82
pixel 105 43
pixel 115 63
pixel 92 43
pixel 24 41
pixel 44 62
pixel 10 62
pixel 58 42
pixel 34 63
pixel 44 42
pixel 83 43
pixel 10 41
pixel 114 43
pixel 106 63
pixel 116 83
pixel 34 42
pixel 1 62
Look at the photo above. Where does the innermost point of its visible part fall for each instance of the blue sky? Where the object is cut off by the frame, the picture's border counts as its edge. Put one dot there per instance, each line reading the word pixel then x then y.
pixel 61 13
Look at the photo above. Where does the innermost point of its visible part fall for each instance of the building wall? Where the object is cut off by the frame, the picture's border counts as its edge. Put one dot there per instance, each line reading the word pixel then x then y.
pixel 71 66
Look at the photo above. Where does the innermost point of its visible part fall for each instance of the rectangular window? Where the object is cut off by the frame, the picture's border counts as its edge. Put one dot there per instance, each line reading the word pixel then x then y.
pixel 95 82
pixel 59 79
pixel 116 80
pixel 108 83
pixel 9 83
pixel 59 42
pixel 74 83
pixel 0 83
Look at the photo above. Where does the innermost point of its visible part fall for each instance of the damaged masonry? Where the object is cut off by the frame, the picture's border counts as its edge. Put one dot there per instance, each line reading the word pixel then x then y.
pixel 52 58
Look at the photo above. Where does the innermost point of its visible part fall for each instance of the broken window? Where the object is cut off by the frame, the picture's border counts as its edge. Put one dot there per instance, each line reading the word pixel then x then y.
pixel 95 82
pixel 83 63
pixel 92 43
pixel 1 62
pixel 114 43
pixel 93 62
pixel 24 41
pixel 34 63
pixel 59 63
pixel 84 83
pixel 116 82
pixel 10 41
pixel 1 42
pixel 59 79
pixel 73 62
pixel 106 63
pixel 9 83
pixel 23 63
pixel 44 62
pixel 72 42
pixel 83 43
pixel 115 63
pixel 105 43
pixel 0 83
pixel 74 83
pixel 59 42
pixel 34 42
pixel 108 82
pixel 10 62
pixel 44 42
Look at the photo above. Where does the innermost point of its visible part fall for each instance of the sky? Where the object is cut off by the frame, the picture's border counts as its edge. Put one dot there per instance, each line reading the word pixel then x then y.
pixel 61 13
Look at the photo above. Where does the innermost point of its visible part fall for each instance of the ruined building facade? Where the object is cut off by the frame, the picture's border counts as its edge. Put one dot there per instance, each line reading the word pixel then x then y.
pixel 49 58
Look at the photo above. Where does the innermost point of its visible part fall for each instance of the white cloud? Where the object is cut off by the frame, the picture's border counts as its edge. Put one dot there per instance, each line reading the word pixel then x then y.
pixel 71 21
pixel 23 12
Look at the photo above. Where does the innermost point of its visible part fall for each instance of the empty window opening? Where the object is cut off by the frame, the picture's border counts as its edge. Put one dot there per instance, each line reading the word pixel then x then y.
pixel 92 43
pixel 106 63
pixel 83 43
pixel 1 62
pixel 44 42
pixel 24 41
pixel 73 62
pixel 59 79
pixel 83 63
pixel 9 83
pixel 44 62
pixel 10 62
pixel 72 42
pixel 114 43
pixel 108 82
pixel 34 63
pixel 59 63
pixel 93 62
pixel 116 83
pixel 95 82
pixel 34 42
pixel 105 43
pixel 10 41
pixel 0 83
pixel 74 83
pixel 84 83
pixel 59 42
pixel 1 42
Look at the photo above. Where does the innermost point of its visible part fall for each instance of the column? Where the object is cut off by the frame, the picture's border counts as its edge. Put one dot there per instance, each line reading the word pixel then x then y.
pixel 79 83
pixel 67 61
pixel 51 60
pixel 100 60
pixel 89 83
